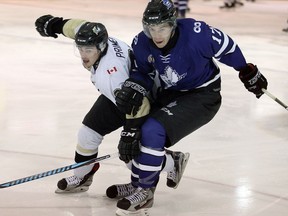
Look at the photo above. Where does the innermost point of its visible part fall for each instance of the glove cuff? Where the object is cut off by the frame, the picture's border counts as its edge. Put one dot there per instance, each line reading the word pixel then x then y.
pixel 136 85
pixel 58 24
pixel 247 70
pixel 134 123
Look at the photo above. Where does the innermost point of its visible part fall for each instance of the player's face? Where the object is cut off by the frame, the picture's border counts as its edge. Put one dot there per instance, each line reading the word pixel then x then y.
pixel 160 34
pixel 89 55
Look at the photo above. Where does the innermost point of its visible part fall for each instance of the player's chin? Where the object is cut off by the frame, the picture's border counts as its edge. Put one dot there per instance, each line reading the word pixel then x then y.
pixel 87 65
pixel 160 44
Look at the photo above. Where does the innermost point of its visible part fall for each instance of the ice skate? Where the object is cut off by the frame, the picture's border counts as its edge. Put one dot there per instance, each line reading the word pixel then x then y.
pixel 120 190
pixel 285 29
pixel 180 162
pixel 74 184
pixel 137 203
pixel 238 3
pixel 227 6
pixel 141 212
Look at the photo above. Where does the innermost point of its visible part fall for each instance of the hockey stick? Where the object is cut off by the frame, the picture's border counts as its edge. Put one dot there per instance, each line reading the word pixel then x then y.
pixel 56 171
pixel 274 98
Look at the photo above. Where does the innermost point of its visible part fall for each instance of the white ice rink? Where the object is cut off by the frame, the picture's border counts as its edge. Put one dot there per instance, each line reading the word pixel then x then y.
pixel 239 161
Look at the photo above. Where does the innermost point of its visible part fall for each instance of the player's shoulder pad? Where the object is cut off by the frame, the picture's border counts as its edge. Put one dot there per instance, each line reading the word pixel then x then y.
pixel 193 26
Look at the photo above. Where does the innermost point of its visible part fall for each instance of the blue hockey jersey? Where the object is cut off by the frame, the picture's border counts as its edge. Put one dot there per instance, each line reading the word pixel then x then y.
pixel 190 63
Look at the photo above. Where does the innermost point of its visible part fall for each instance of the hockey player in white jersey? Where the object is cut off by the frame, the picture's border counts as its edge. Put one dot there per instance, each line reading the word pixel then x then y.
pixel 110 62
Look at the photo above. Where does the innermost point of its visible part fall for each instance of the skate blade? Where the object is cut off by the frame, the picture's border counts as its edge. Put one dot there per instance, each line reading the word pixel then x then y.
pixel 75 190
pixel 141 212
pixel 186 159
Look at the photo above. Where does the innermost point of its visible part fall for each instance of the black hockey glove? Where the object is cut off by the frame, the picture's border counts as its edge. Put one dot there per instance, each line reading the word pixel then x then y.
pixel 129 144
pixel 129 98
pixel 253 80
pixel 49 26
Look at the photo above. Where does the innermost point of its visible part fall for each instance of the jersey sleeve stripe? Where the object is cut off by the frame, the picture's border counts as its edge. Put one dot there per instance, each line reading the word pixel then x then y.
pixel 224 46
pixel 232 49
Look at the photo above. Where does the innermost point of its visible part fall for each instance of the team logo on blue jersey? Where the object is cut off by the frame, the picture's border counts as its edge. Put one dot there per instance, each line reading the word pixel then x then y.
pixel 171 77
pixel 151 59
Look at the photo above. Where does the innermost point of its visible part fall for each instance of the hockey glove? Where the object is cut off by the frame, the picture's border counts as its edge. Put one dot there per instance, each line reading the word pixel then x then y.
pixel 129 98
pixel 49 26
pixel 129 144
pixel 253 80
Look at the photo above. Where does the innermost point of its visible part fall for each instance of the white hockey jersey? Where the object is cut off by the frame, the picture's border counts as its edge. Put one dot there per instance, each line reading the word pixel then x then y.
pixel 113 68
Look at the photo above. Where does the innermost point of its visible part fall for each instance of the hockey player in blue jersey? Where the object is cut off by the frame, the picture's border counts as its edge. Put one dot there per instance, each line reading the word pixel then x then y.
pixel 179 56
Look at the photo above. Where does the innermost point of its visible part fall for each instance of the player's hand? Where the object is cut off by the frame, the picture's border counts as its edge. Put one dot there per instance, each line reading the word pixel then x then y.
pixel 129 98
pixel 253 80
pixel 129 144
pixel 46 25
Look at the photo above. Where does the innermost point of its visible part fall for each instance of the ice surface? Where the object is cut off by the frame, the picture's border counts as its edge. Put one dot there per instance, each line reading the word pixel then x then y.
pixel 238 164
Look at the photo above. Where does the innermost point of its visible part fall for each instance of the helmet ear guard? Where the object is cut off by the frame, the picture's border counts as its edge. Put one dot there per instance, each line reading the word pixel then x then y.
pixel 158 12
pixel 92 34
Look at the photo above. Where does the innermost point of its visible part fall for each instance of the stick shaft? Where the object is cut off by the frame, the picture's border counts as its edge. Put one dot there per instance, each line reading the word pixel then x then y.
pixel 275 98
pixel 56 171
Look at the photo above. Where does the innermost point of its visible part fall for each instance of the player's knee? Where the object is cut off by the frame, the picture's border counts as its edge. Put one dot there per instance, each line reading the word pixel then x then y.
pixel 88 141
pixel 153 134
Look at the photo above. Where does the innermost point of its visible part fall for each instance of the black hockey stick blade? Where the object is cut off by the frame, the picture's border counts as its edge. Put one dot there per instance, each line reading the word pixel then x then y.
pixel 56 171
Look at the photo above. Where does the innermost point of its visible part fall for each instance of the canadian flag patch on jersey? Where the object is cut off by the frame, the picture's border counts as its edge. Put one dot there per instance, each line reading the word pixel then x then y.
pixel 112 70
